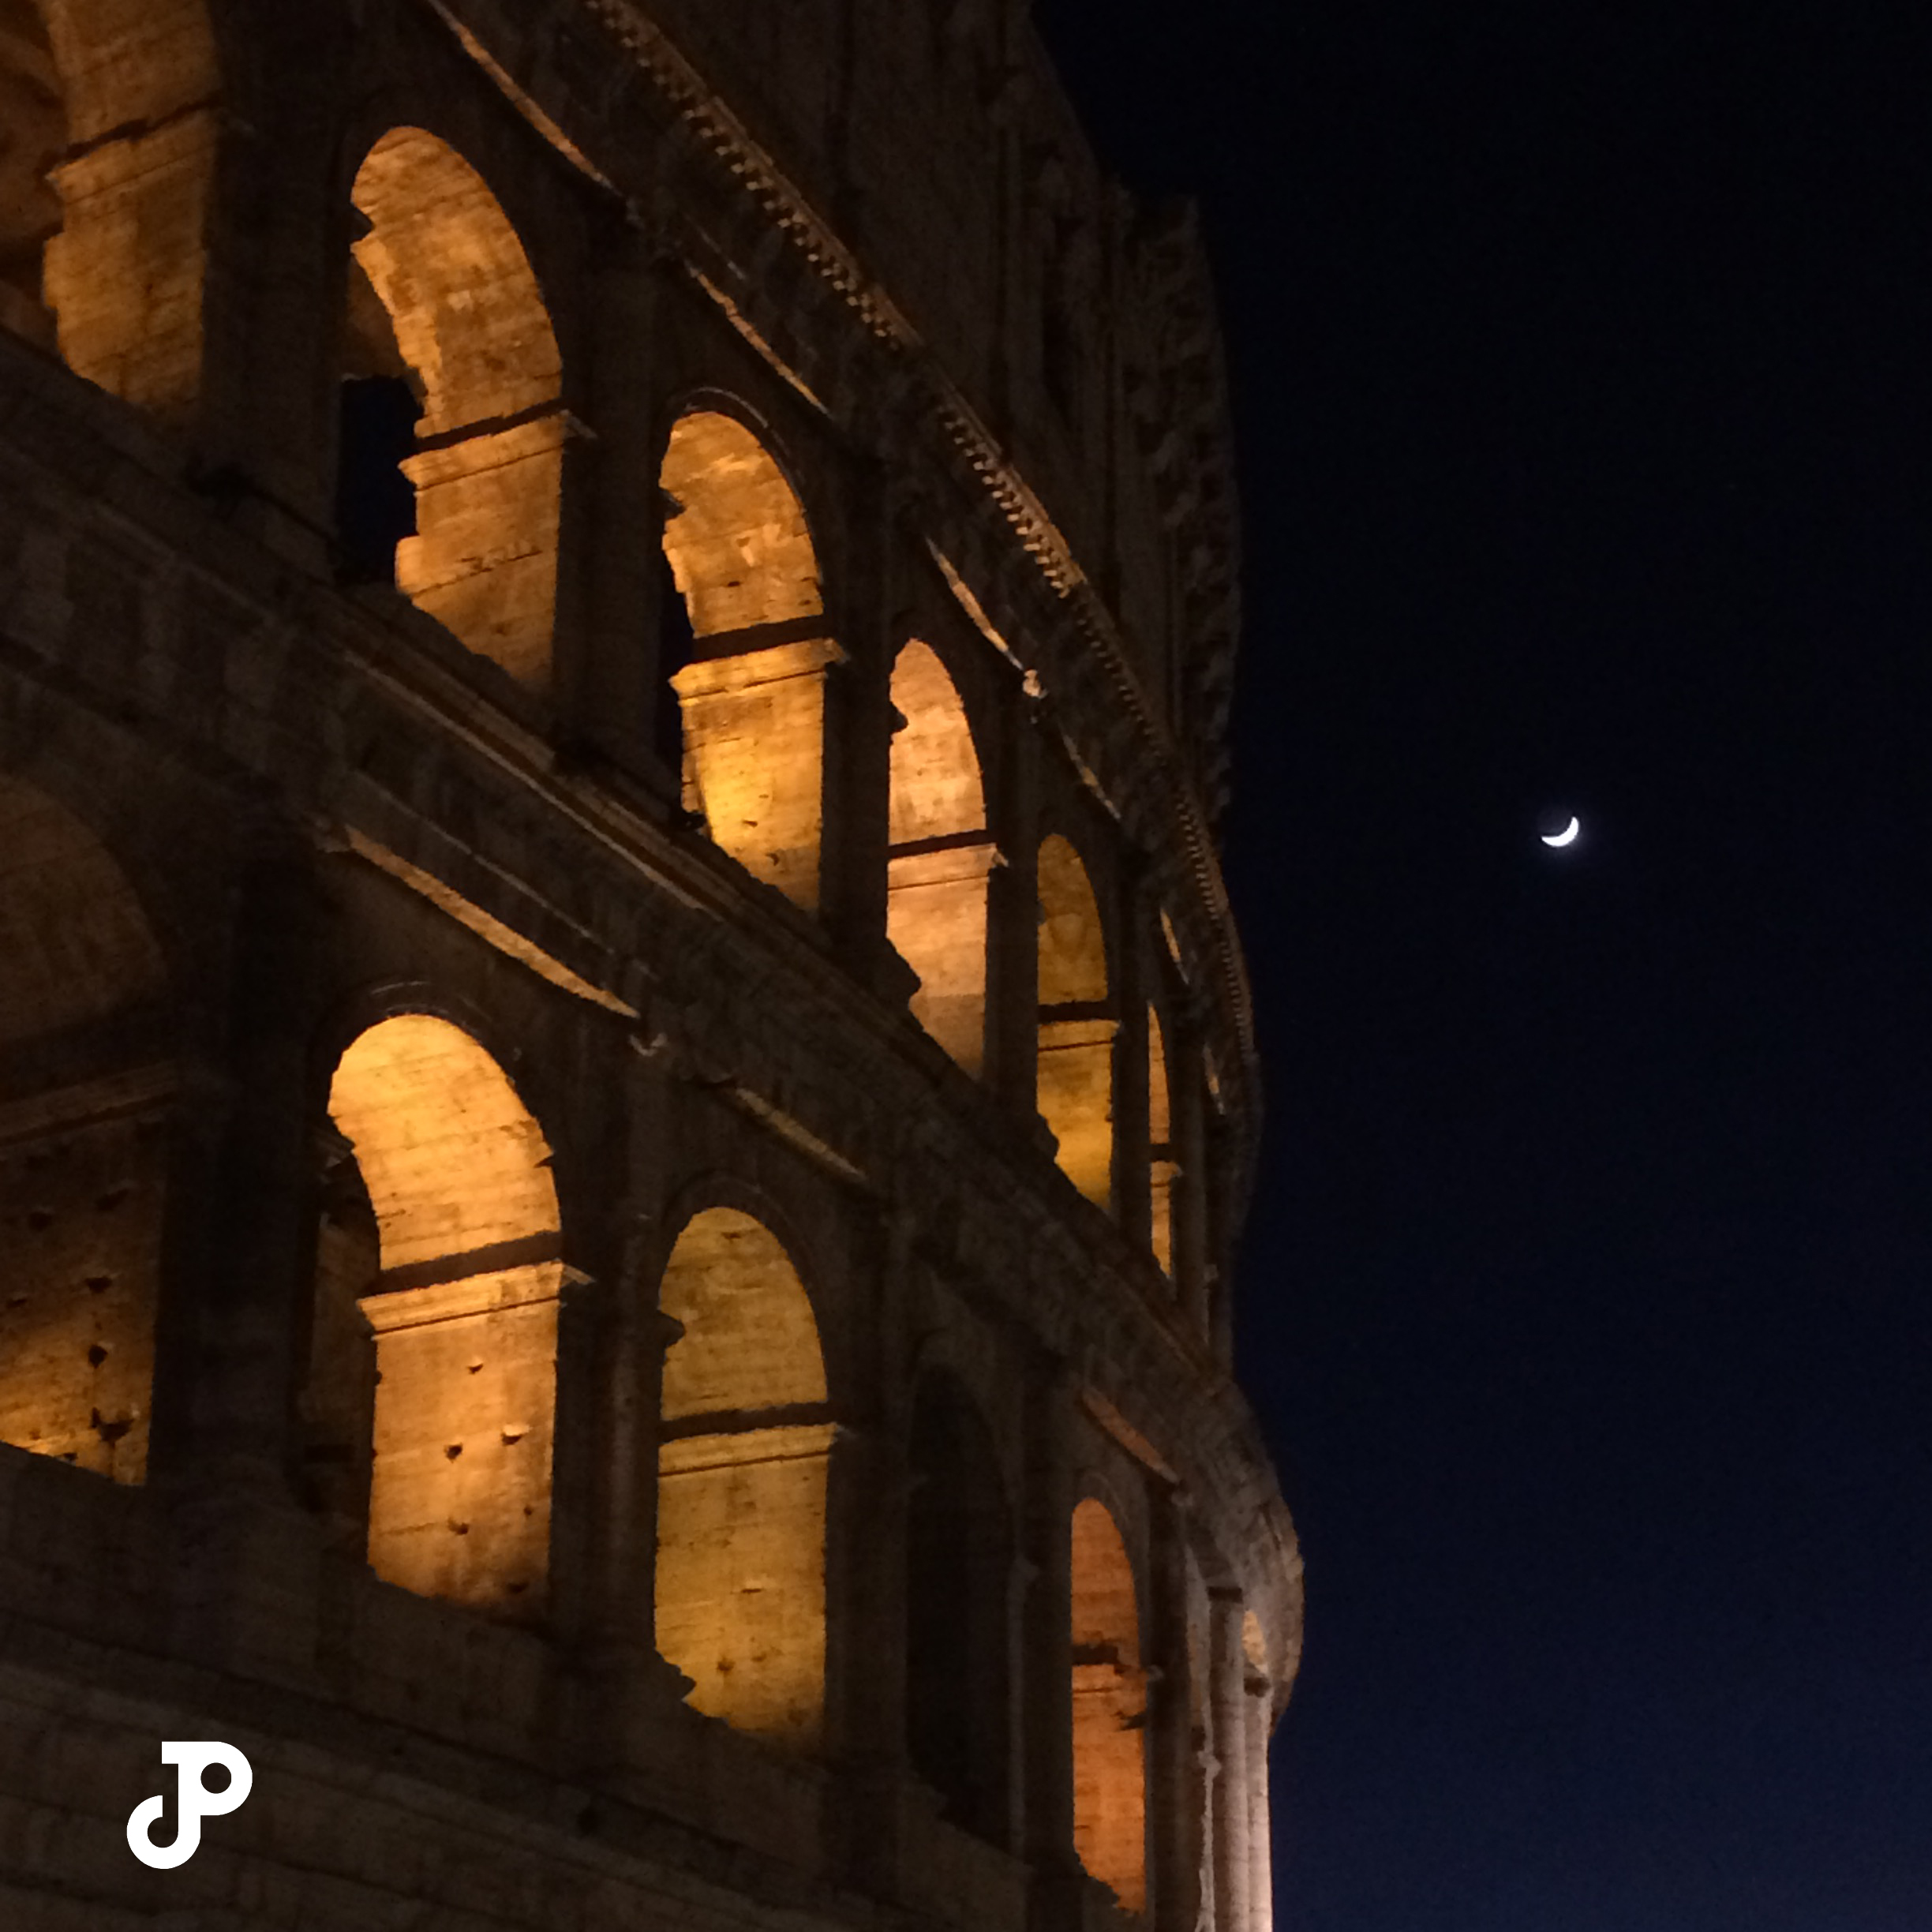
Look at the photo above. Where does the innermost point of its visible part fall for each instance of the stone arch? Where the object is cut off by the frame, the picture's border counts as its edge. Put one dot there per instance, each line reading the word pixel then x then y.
pixel 744 1448
pixel 1076 1022
pixel 941 855
pixel 104 189
pixel 87 1076
pixel 461 1307
pixel 959 1638
pixel 1110 1708
pixel 442 296
pixel 751 689
pixel 1164 1169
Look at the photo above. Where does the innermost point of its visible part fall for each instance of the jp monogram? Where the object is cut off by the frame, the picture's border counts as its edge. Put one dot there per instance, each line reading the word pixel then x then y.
pixel 193 1802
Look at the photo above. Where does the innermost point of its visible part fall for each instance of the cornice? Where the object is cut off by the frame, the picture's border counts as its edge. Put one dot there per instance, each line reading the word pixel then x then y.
pixel 754 216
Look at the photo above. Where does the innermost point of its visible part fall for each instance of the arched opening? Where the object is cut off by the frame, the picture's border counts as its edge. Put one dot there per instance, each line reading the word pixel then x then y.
pixel 461 1317
pixel 1164 1170
pixel 751 696
pixel 107 142
pixel 959 1644
pixel 33 137
pixel 1110 1709
pixel 1077 1024
pixel 743 1460
pixel 941 855
pixel 445 317
pixel 86 1077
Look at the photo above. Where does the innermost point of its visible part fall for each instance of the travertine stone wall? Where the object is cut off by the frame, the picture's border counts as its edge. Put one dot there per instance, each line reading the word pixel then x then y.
pixel 608 1367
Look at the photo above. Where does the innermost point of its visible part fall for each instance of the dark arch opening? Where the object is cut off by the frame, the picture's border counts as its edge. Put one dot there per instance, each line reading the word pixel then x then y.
pixel 958 1565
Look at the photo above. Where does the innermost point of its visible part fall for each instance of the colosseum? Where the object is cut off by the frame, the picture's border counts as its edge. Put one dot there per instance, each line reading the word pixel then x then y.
pixel 626 1085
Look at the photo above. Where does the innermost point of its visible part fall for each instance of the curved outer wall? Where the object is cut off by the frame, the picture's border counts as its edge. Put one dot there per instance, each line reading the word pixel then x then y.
pixel 599 1160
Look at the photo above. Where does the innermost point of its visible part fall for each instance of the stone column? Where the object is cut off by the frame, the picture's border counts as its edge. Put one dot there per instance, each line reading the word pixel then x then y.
pixel 609 688
pixel 1187 1104
pixel 238 1271
pixel 862 586
pixel 1132 1175
pixel 1047 1647
pixel 1258 1695
pixel 1177 1787
pixel 866 1584
pixel 621 1678
pixel 1230 1811
pixel 1012 913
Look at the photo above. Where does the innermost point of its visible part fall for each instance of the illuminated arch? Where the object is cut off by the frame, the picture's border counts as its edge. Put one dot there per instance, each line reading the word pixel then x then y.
pixel 959 1640
pixel 104 189
pixel 752 698
pixel 1077 1025
pixel 468 323
pixel 746 1438
pixel 1163 1168
pixel 464 1313
pixel 86 1075
pixel 941 855
pixel 1110 1709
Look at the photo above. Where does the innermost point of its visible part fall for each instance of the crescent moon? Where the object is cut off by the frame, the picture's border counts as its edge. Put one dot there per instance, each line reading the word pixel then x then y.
pixel 1566 837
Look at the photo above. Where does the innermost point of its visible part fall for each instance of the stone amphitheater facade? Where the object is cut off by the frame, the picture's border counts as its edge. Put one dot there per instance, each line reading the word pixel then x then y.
pixel 626 1087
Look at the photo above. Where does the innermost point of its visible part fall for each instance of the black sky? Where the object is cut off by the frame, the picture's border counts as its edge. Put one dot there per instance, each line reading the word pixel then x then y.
pixel 1582 364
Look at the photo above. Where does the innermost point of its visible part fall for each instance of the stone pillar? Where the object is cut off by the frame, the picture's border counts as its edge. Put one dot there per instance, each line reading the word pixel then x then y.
pixel 1012 913
pixel 607 687
pixel 862 587
pixel 1259 1698
pixel 1230 1811
pixel 1177 1788
pixel 1132 1177
pixel 622 1340
pixel 866 1585
pixel 1046 1649
pixel 238 1274
pixel 1187 1104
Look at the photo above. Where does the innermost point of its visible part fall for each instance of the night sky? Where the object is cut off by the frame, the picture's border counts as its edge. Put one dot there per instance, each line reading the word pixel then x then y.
pixel 1582 370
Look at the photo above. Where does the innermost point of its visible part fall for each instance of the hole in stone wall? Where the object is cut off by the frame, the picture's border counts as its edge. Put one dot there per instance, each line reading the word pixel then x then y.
pixel 375 502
